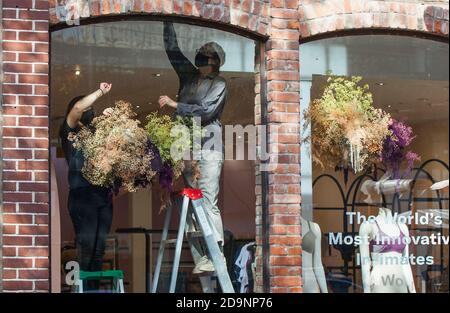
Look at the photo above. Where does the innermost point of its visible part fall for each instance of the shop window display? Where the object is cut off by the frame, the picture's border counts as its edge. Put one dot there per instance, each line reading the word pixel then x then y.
pixel 131 56
pixel 375 173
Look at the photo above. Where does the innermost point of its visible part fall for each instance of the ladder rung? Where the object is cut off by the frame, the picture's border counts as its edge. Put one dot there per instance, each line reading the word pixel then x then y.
pixel 195 234
pixel 169 241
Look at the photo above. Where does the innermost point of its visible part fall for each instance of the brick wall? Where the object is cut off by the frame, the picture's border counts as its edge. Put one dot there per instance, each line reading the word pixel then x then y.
pixel 282 75
pixel 25 145
pixel 25 110
pixel 317 17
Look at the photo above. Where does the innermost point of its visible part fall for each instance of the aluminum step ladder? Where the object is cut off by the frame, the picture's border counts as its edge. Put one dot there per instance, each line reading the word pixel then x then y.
pixel 194 197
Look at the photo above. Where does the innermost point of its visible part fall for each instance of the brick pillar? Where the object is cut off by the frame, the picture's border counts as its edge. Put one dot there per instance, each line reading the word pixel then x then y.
pixel 25 146
pixel 283 118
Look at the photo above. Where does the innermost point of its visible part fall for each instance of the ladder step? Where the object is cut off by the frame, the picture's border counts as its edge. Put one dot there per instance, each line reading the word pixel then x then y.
pixel 169 241
pixel 195 234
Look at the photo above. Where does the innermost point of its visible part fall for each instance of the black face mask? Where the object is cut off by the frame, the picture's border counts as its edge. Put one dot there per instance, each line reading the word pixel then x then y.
pixel 87 117
pixel 201 60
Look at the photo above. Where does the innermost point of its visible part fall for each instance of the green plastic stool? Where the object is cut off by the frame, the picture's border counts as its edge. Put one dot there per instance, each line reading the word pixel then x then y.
pixel 116 275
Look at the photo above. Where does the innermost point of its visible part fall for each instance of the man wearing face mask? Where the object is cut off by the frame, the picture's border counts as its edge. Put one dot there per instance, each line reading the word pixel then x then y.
pixel 90 206
pixel 202 93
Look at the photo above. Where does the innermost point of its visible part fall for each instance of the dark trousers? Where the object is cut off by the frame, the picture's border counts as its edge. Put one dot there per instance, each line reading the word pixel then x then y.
pixel 91 212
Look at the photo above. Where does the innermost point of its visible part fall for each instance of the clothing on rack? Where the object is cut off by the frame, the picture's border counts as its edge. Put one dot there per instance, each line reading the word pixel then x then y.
pixel 244 262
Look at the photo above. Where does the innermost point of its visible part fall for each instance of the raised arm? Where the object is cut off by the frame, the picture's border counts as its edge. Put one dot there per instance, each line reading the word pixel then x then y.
pixel 179 62
pixel 85 104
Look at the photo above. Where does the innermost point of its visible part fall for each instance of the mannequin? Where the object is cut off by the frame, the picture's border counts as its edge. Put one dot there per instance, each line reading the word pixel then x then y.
pixel 313 273
pixel 384 250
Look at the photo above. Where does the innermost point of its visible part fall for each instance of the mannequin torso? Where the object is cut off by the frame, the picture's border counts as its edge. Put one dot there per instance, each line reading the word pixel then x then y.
pixel 314 280
pixel 384 261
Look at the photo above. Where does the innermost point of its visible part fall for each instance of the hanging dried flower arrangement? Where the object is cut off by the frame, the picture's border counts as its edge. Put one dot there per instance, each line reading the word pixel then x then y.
pixel 346 130
pixel 115 150
pixel 395 149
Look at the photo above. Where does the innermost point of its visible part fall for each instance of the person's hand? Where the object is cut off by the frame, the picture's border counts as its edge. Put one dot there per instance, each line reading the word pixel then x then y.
pixel 105 88
pixel 108 111
pixel 165 100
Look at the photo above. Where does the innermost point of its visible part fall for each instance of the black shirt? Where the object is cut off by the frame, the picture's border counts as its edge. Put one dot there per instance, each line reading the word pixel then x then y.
pixel 74 157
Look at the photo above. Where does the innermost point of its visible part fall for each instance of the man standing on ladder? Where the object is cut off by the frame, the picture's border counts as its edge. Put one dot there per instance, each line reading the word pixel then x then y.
pixel 202 93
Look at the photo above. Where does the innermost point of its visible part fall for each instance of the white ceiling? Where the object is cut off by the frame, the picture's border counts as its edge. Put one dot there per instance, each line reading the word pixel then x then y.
pixel 416 101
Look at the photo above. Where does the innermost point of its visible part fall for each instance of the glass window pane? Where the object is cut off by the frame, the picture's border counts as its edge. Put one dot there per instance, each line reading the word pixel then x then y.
pixel 408 78
pixel 131 56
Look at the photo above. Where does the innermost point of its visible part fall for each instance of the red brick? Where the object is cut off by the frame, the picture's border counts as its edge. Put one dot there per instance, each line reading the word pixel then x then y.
pixel 41 154
pixel 9 274
pixel 187 7
pixel 33 79
pixel 33 121
pixel 40 26
pixel 17 89
pixel 33 100
pixel 20 25
pixel 17 197
pixel 9 35
pixel 9 78
pixel 12 285
pixel 283 13
pixel 18 176
pixel 17 241
pixel 42 285
pixel 41 4
pixel 9 13
pixel 41 47
pixel 42 263
pixel 41 219
pixel 41 90
pixel 33 274
pixel 33 165
pixel 18 67
pixel 285 260
pixel 277 3
pixel 33 15
pixel 33 230
pixel 9 230
pixel 33 208
pixel 17 154
pixel 41 187
pixel 42 197
pixel 41 68
pixel 41 176
pixel 32 143
pixel 284 96
pixel 288 34
pixel 41 111
pixel 34 36
pixel 9 56
pixel 9 165
pixel 286 281
pixel 17 262
pixel 17 132
pixel 17 110
pixel 9 186
pixel 41 133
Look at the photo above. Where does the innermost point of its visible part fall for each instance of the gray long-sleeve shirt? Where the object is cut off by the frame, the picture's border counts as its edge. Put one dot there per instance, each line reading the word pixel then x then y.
pixel 199 97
